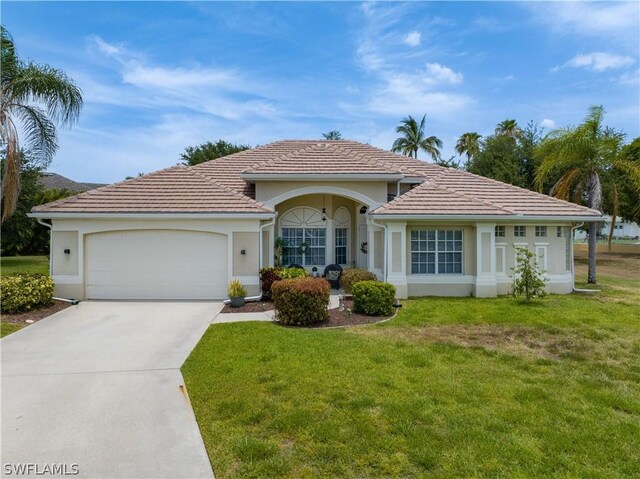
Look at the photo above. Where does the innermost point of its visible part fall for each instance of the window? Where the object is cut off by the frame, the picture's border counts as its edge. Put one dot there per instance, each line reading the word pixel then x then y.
pixel 436 252
pixel 501 264
pixel 303 226
pixel 500 231
pixel 559 232
pixel 341 242
pixel 520 231
pixel 541 231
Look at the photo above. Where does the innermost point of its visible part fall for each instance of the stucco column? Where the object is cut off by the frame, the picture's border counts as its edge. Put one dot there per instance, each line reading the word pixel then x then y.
pixel 486 286
pixel 370 247
pixel 397 257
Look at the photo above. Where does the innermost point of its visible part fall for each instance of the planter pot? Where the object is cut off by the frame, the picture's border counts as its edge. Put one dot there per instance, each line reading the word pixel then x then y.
pixel 237 301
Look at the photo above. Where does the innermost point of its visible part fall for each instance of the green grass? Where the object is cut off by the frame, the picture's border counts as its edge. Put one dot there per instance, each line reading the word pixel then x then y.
pixel 8 328
pixel 24 264
pixel 449 388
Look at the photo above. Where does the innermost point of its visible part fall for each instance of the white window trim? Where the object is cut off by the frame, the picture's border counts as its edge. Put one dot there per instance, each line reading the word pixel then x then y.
pixel 304 225
pixel 436 274
pixel 346 225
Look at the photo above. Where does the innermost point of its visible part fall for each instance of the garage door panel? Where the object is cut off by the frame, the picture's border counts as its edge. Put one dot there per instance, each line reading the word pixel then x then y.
pixel 156 264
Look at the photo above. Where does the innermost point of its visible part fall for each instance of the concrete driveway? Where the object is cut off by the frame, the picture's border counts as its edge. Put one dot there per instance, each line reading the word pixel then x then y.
pixel 99 385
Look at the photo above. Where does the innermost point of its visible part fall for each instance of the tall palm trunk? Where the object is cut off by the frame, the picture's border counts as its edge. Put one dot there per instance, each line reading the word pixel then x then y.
pixel 595 202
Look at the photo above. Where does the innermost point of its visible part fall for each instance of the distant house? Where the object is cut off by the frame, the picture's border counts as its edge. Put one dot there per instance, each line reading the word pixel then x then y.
pixel 54 181
pixel 621 230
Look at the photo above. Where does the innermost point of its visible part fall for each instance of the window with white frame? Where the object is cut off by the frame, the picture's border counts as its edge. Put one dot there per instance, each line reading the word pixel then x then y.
pixel 304 235
pixel 436 251
pixel 541 231
pixel 520 231
pixel 559 231
pixel 500 231
pixel 342 225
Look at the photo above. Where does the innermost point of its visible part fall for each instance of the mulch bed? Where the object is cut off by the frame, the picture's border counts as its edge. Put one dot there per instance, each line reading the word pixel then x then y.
pixel 343 318
pixel 253 307
pixel 36 315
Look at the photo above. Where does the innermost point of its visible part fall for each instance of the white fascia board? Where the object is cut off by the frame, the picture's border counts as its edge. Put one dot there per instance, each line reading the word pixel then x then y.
pixel 322 176
pixel 502 218
pixel 153 216
pixel 413 179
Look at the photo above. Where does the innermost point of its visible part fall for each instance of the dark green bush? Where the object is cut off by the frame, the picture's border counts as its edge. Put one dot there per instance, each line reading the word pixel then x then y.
pixel 24 292
pixel 352 275
pixel 373 298
pixel 267 276
pixel 301 301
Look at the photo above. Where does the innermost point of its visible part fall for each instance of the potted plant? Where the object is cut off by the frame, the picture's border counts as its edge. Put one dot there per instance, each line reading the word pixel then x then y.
pixel 314 271
pixel 237 293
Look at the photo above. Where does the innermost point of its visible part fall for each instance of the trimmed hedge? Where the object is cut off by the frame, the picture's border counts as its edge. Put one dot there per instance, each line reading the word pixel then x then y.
pixel 301 301
pixel 24 292
pixel 292 273
pixel 352 275
pixel 373 298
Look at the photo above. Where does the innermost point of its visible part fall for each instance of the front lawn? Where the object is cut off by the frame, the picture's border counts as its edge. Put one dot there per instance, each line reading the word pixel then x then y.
pixel 451 387
pixel 24 264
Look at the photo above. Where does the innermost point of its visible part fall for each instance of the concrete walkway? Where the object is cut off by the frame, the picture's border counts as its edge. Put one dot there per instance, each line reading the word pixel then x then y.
pixel 99 385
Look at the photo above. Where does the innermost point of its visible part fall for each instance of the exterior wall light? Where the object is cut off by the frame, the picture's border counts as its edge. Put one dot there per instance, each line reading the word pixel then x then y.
pixel 67 251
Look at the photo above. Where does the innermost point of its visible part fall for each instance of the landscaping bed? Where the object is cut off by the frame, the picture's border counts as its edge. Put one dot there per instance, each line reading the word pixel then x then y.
pixel 253 307
pixel 35 315
pixel 344 318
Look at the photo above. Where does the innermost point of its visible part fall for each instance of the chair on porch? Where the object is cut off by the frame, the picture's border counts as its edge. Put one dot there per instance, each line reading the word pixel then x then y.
pixel 332 274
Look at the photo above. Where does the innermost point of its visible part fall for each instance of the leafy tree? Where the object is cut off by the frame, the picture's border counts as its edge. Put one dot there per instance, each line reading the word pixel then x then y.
pixel 469 144
pixel 528 279
pixel 332 135
pixel 450 163
pixel 509 128
pixel 36 97
pixel 194 155
pixel 578 158
pixel 617 181
pixel 413 139
pixel 506 160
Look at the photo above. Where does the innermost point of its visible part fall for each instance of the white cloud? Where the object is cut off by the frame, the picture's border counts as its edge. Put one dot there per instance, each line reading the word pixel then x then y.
pixel 630 78
pixel 413 39
pixel 548 123
pixel 437 73
pixel 614 20
pixel 597 61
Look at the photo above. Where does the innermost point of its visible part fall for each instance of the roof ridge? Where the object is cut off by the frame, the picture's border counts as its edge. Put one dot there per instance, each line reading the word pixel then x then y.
pixel 277 158
pixel 360 156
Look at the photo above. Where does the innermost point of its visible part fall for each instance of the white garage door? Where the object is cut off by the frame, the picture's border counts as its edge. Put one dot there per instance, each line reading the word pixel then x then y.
pixel 156 264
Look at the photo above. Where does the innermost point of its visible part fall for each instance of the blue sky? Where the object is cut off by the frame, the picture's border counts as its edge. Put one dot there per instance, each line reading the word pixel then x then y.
pixel 160 76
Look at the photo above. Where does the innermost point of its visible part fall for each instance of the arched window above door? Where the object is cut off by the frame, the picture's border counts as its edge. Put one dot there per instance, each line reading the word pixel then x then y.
pixel 304 233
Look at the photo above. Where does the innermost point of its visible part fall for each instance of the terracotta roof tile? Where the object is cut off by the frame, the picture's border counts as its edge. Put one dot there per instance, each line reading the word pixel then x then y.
pixel 218 185
pixel 174 190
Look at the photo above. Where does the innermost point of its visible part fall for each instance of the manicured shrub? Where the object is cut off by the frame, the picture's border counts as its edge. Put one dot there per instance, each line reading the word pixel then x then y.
pixel 301 301
pixel 267 276
pixel 373 298
pixel 528 278
pixel 352 275
pixel 292 273
pixel 236 289
pixel 24 292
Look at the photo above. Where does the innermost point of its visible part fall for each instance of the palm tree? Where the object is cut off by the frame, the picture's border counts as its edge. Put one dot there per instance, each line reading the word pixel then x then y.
pixel 469 144
pixel 509 128
pixel 580 156
pixel 413 139
pixel 34 98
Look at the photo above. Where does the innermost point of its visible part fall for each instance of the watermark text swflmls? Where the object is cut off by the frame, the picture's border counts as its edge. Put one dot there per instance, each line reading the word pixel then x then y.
pixel 33 469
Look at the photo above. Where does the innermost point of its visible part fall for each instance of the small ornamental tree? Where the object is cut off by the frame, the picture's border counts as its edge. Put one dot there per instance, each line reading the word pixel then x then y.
pixel 528 279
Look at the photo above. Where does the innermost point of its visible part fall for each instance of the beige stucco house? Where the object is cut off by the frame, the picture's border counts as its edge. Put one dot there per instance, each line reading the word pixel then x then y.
pixel 184 232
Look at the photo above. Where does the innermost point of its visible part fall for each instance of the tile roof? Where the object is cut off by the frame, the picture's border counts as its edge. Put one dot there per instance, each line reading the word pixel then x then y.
pixel 174 190
pixel 218 186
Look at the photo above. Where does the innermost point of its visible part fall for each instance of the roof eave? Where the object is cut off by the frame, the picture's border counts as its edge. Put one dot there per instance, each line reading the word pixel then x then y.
pixel 505 217
pixel 175 215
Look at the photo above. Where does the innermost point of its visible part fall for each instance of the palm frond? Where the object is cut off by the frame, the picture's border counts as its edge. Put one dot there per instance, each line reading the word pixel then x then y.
pixel 11 173
pixel 40 132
